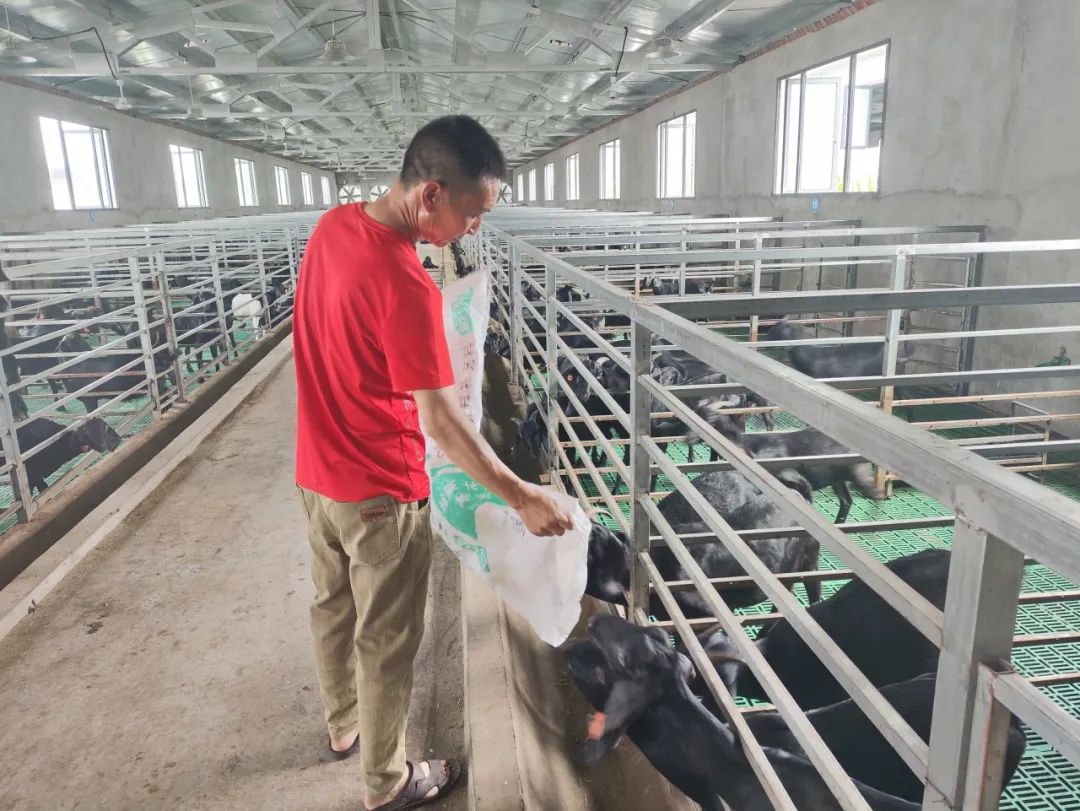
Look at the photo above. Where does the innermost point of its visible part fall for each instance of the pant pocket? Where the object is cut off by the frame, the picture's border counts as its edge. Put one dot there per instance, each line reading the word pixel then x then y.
pixel 372 530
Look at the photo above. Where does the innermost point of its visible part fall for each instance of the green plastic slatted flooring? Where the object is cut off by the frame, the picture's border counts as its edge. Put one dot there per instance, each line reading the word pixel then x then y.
pixel 1046 781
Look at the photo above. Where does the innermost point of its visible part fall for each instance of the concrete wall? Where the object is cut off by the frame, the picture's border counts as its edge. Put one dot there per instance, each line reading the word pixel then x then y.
pixel 141 165
pixel 981 127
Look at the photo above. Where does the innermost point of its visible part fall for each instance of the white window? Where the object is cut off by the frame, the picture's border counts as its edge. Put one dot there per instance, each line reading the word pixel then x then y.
pixel 532 185
pixel 281 180
pixel 189 177
pixel 305 186
pixel 79 163
pixel 610 169
pixel 520 188
pixel 549 182
pixel 325 190
pixel 573 189
pixel 829 126
pixel 675 156
pixel 246 191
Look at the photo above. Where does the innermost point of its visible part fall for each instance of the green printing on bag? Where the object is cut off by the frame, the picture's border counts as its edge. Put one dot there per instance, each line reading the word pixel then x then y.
pixel 460 315
pixel 458 497
pixel 476 549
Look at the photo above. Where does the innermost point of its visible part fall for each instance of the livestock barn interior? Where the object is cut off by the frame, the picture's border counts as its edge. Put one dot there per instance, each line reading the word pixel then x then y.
pixel 783 293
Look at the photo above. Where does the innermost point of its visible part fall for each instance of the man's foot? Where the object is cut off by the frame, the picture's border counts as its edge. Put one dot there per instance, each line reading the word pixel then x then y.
pixel 421 784
pixel 341 748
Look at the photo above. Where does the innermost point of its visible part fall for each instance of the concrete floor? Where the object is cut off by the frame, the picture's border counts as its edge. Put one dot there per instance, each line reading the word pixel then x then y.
pixel 172 668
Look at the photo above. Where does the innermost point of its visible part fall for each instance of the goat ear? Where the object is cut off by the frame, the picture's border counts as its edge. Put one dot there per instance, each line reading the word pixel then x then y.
pixel 795 480
pixel 626 701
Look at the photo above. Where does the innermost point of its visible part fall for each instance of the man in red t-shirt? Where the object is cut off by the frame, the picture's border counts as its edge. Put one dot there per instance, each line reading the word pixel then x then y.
pixel 372 364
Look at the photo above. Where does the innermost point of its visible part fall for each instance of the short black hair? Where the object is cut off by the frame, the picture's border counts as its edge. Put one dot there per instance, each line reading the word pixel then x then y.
pixel 454 146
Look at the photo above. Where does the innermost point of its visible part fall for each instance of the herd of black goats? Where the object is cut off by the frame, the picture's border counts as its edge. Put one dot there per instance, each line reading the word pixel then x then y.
pixel 199 336
pixel 645 689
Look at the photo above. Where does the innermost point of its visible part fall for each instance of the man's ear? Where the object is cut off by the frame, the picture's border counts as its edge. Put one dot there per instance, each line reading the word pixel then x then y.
pixel 626 701
pixel 431 192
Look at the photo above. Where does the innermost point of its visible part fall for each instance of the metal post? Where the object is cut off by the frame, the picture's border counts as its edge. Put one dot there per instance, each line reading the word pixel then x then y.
pixel 986 758
pixel 755 289
pixel 170 325
pixel 142 317
pixel 219 295
pixel 262 288
pixel 9 441
pixel 641 340
pixel 891 350
pixel 551 345
pixel 682 265
pixel 514 293
pixel 983 589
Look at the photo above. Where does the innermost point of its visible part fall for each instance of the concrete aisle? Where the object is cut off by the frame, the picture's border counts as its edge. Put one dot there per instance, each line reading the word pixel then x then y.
pixel 173 669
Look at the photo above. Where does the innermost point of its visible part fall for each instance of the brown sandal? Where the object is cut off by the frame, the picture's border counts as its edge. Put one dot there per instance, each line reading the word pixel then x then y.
pixel 441 776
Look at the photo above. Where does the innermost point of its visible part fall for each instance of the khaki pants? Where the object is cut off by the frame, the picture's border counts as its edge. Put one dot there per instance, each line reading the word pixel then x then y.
pixel 369 563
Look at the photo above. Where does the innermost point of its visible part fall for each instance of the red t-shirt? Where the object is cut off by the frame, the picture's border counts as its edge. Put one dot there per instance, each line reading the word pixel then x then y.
pixel 367 331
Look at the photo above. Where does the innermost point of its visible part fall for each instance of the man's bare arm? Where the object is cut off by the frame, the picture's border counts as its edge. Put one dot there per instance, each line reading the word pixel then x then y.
pixel 446 424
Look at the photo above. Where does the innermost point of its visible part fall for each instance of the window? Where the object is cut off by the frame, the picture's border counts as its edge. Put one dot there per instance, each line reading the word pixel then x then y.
pixel 520 188
pixel 245 182
pixel 189 178
pixel 325 190
pixel 305 186
pixel 549 182
pixel 610 170
pixel 573 190
pixel 532 185
pixel 675 156
pixel 281 180
pixel 829 126
pixel 80 167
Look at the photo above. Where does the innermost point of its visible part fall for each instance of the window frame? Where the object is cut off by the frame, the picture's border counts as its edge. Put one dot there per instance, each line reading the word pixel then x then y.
pixel 549 182
pixel 576 175
pixel 781 121
pixel 282 172
pixel 176 161
pixel 618 169
pixel 661 159
pixel 307 189
pixel 324 185
pixel 532 185
pixel 238 166
pixel 108 190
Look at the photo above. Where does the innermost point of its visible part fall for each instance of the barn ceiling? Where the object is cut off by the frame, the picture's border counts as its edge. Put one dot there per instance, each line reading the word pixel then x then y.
pixel 343 83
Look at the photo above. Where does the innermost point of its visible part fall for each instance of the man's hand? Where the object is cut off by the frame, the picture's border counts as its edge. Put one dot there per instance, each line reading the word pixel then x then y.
pixel 542 514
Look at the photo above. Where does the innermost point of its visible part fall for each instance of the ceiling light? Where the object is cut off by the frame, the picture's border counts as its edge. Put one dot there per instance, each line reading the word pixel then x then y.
pixel 335 51
pixel 12 49
pixel 664 48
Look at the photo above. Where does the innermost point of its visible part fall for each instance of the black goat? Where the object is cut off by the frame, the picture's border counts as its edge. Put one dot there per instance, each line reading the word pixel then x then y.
pixel 689 370
pixel 862 750
pixel 10 363
pixel 808 442
pixel 670 287
pixel 881 643
pixel 31 366
pixel 641 687
pixel 743 506
pixel 205 331
pixel 98 367
pixel 531 443
pixel 93 434
pixel 842 360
